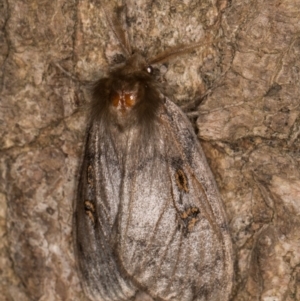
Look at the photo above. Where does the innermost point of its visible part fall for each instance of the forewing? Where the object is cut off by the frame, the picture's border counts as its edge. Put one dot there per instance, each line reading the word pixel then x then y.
pixel 173 238
pixel 95 216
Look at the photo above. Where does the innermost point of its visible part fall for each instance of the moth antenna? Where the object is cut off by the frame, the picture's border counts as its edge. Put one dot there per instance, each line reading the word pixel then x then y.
pixel 117 29
pixel 178 50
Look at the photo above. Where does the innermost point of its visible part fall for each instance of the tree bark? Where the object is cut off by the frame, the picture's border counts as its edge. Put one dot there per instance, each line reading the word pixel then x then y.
pixel 247 76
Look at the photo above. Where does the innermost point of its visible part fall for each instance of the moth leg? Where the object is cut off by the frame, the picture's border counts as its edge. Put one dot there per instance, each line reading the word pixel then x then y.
pixel 68 74
pixel 65 72
pixel 190 105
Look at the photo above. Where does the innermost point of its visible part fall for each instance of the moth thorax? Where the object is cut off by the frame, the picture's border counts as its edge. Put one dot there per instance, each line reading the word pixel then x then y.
pixel 123 101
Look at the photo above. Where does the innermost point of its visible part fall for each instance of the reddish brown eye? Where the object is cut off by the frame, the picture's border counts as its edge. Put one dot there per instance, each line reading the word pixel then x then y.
pixel 129 100
pixel 115 99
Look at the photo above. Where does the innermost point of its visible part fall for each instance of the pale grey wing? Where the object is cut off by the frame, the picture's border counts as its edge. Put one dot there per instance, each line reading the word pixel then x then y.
pixel 210 202
pixel 173 237
pixel 94 218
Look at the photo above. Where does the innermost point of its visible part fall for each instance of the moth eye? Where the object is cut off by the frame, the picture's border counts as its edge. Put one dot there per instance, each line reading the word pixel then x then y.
pixel 181 180
pixel 149 69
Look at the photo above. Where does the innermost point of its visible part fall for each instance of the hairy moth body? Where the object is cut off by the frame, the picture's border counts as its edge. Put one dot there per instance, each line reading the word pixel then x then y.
pixel 149 218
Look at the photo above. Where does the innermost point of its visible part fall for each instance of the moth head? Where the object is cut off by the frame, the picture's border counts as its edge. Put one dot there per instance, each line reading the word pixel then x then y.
pixel 130 83
pixel 136 63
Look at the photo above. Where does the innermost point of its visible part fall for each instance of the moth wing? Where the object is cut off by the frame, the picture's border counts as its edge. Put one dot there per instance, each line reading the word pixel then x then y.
pixel 173 240
pixel 94 217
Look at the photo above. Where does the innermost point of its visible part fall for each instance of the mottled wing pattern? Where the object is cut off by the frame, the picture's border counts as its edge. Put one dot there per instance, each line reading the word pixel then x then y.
pixel 173 238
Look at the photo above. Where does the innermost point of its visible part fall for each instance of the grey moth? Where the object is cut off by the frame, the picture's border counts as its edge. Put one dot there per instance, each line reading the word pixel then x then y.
pixel 148 219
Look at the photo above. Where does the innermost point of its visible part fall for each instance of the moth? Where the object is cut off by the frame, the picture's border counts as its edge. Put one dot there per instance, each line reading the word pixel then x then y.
pixel 148 220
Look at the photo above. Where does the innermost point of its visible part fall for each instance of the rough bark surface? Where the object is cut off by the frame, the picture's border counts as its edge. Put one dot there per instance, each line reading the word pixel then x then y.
pixel 248 123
